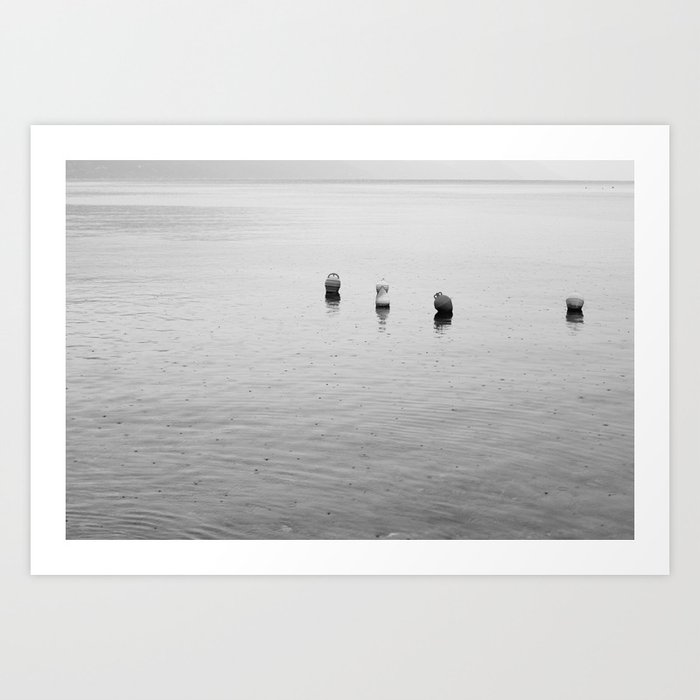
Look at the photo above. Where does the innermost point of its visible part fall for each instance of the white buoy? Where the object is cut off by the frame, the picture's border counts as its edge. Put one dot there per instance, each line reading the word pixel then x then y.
pixel 574 302
pixel 382 294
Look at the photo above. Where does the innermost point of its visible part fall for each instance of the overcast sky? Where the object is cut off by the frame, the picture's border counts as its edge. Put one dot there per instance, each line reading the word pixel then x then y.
pixel 351 170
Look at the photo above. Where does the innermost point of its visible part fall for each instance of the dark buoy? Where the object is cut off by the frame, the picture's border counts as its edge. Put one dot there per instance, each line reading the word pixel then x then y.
pixel 443 304
pixel 382 294
pixel 333 284
pixel 574 303
pixel 574 309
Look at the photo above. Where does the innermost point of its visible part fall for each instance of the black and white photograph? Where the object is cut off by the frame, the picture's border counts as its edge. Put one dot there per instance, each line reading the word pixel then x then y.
pixel 350 350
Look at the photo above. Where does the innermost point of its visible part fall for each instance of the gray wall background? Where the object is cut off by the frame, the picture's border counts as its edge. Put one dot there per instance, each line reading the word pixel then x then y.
pixel 365 61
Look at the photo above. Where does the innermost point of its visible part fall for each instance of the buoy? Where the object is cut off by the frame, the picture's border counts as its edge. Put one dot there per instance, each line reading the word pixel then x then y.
pixel 574 302
pixel 333 284
pixel 382 293
pixel 443 304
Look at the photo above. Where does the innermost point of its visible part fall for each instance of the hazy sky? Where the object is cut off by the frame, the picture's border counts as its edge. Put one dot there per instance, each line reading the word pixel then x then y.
pixel 350 170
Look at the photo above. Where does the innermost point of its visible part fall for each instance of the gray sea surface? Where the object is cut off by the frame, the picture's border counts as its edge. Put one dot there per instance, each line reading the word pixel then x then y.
pixel 213 392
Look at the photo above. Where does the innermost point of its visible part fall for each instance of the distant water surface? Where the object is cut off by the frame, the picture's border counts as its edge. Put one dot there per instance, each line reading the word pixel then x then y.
pixel 213 392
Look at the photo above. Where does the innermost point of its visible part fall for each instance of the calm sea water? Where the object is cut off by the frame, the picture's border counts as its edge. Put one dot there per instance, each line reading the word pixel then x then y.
pixel 213 391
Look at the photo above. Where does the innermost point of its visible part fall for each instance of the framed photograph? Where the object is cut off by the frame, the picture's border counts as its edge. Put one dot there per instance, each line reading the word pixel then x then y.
pixel 350 350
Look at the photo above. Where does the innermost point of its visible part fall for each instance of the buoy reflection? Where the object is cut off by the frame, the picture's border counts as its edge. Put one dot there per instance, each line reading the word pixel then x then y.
pixel 382 315
pixel 442 322
pixel 574 316
pixel 332 303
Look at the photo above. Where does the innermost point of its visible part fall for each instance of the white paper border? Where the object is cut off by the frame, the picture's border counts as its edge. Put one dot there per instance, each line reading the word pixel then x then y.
pixel 647 146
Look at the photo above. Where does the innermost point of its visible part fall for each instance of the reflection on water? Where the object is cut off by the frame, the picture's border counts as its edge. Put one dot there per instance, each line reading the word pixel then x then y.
pixel 441 322
pixel 382 315
pixel 332 302
pixel 187 417
pixel 573 316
